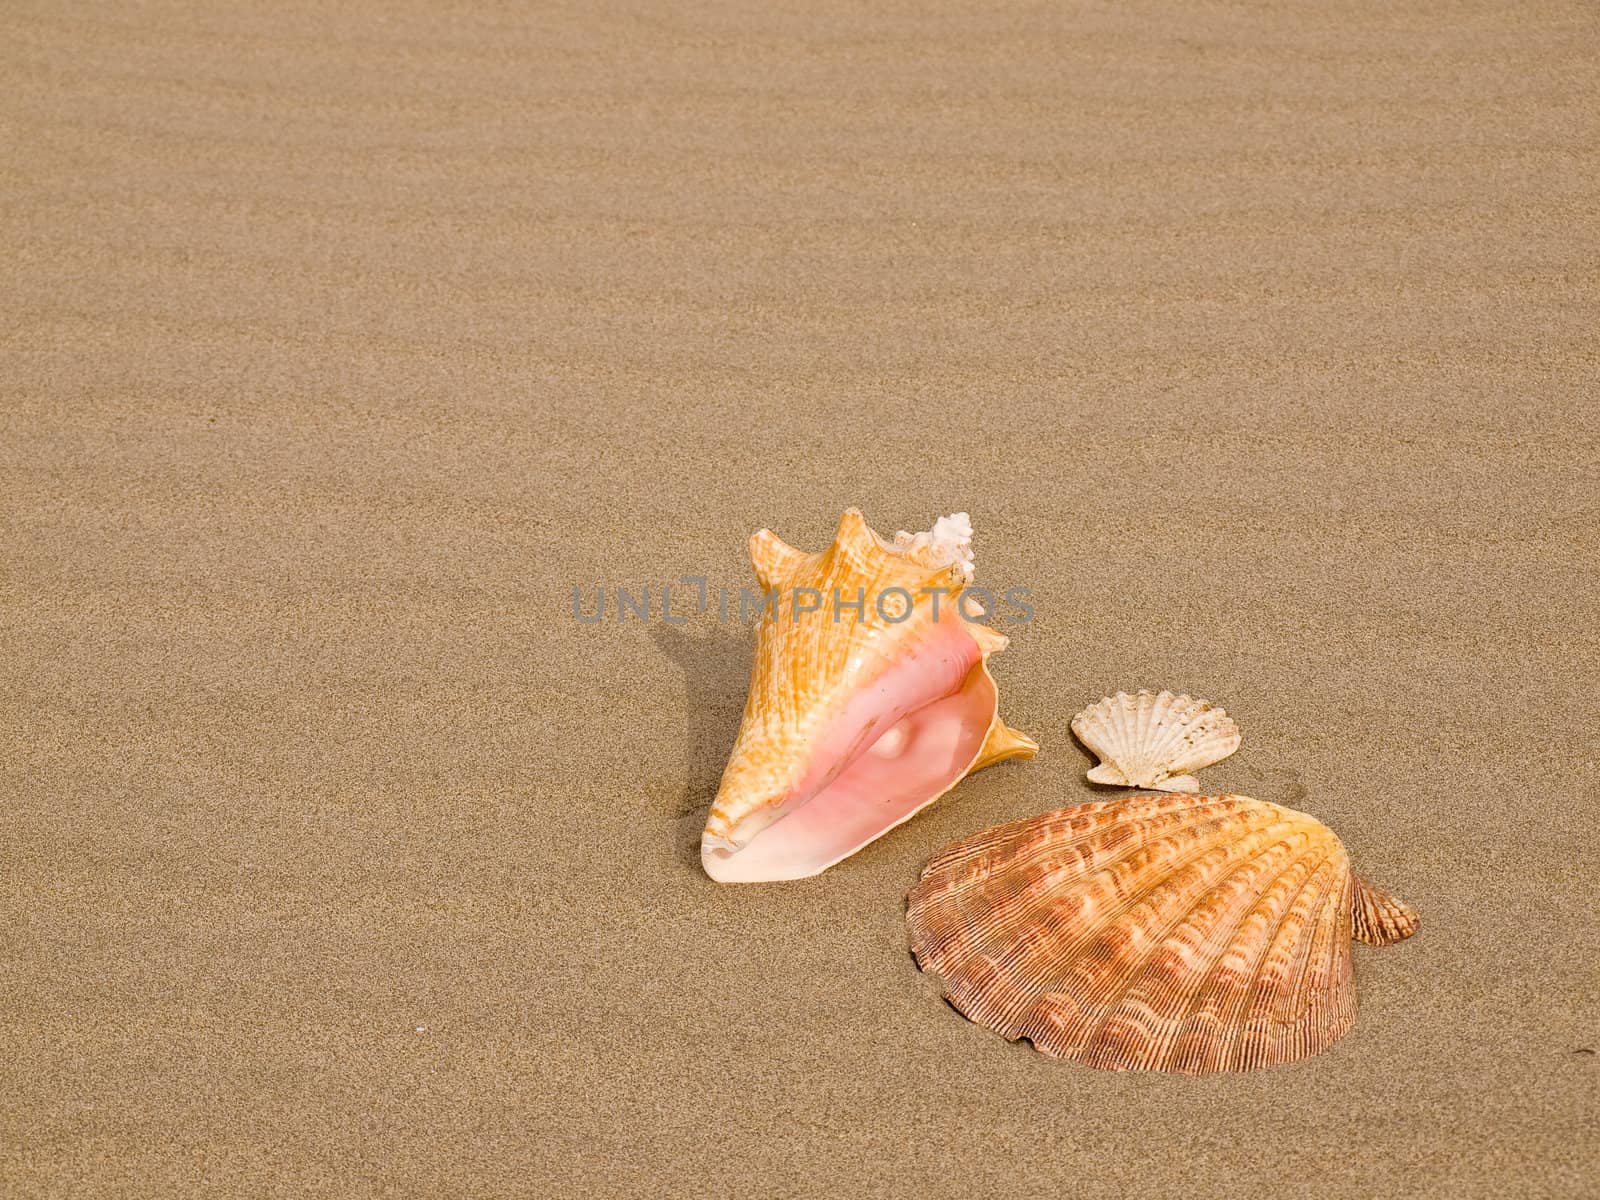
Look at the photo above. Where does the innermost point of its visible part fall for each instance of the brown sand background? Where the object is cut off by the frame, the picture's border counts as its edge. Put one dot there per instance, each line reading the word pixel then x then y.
pixel 343 341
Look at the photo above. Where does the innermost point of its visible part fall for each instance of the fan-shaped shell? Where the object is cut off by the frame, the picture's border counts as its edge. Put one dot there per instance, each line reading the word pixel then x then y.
pixel 1152 740
pixel 1160 933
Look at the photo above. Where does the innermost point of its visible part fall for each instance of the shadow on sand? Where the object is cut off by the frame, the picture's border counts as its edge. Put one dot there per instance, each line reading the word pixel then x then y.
pixel 716 672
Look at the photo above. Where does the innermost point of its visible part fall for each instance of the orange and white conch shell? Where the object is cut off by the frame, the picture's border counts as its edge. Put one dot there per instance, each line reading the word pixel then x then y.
pixel 1159 933
pixel 870 697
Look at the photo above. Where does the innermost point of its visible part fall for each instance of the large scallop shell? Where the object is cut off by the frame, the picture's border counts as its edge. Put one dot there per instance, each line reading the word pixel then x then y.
pixel 1159 933
pixel 869 699
pixel 1150 740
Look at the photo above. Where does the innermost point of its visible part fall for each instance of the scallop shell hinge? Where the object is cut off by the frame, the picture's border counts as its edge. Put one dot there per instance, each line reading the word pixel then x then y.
pixel 1155 739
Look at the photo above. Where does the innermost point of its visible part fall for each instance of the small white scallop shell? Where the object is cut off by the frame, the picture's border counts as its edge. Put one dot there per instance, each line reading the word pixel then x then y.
pixel 1152 740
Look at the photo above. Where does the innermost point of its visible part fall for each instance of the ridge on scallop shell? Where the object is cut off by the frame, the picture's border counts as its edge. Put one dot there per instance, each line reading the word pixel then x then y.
pixel 1179 933
pixel 1154 740
pixel 857 716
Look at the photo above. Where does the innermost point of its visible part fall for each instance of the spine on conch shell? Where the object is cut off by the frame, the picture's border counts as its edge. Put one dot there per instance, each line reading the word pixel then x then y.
pixel 947 544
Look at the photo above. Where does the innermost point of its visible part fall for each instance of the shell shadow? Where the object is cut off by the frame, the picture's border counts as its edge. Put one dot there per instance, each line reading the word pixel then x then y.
pixel 716 670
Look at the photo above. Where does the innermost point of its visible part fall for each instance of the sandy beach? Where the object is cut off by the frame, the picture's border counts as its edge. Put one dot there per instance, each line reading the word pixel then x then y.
pixel 341 344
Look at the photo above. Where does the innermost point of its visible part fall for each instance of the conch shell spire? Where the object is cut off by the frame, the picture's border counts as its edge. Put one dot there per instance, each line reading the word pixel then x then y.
pixel 865 706
pixel 947 544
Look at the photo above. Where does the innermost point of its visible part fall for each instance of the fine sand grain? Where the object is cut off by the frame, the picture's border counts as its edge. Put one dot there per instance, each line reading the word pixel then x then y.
pixel 342 341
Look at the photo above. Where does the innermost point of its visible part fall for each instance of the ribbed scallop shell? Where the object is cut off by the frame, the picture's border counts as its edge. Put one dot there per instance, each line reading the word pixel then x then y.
pixel 1152 740
pixel 1160 933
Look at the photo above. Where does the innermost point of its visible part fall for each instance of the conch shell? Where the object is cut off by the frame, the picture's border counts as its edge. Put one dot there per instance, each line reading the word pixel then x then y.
pixel 870 697
pixel 1151 741
pixel 1158 933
